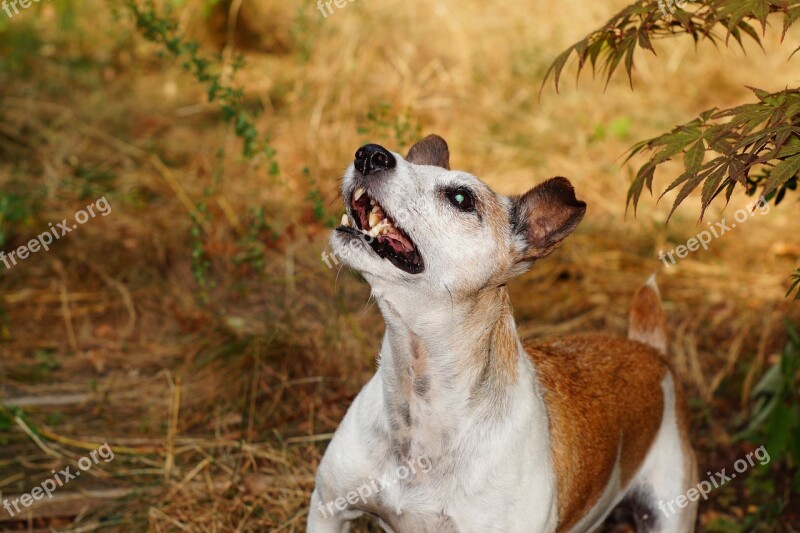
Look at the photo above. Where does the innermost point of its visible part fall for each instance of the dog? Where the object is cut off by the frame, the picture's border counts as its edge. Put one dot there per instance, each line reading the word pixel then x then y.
pixel 551 437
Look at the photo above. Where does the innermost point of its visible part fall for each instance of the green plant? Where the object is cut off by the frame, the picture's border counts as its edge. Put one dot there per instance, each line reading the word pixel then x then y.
pixel 303 30
pixel 316 199
pixel 161 29
pixel 92 182
pixel 775 419
pixel 251 247
pixel 619 128
pixel 43 364
pixel 5 323
pixel 755 146
pixel 6 421
pixel 18 41
pixel 384 121
pixel 722 525
pixel 14 209
pixel 733 134
pixel 201 265
pixel 795 285
pixel 760 483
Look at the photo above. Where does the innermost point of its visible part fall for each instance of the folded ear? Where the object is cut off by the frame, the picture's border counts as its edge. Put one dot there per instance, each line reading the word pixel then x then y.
pixel 432 150
pixel 543 217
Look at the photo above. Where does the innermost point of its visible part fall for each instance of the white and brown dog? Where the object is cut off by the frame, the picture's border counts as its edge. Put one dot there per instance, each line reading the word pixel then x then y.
pixel 549 437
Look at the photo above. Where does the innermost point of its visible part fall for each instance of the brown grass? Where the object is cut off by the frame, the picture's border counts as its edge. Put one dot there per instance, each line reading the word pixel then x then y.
pixel 219 402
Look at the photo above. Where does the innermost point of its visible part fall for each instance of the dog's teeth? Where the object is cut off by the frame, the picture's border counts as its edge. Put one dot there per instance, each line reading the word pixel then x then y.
pixel 359 193
pixel 345 220
pixel 374 232
pixel 374 219
pixel 376 209
pixel 384 230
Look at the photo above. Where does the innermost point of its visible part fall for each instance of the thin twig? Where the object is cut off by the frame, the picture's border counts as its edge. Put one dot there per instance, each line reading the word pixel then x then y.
pixel 172 430
pixel 310 438
pixel 35 438
pixel 73 341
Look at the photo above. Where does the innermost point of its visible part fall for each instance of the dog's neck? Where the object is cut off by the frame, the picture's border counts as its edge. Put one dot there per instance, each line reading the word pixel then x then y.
pixel 443 362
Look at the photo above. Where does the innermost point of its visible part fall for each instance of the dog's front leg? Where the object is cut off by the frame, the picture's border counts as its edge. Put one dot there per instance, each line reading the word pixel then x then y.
pixel 349 461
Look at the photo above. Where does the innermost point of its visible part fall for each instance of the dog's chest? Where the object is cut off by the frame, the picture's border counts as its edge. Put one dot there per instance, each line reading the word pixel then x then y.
pixel 444 500
pixel 425 408
pixel 470 460
pixel 418 522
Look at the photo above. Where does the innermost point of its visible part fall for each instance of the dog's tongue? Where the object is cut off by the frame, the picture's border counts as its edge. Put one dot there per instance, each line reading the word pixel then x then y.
pixel 397 241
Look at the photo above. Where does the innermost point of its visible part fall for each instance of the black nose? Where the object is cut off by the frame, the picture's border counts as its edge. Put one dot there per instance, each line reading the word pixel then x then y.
pixel 372 158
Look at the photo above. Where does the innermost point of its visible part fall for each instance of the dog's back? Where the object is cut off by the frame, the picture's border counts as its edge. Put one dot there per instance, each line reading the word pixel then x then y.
pixel 592 383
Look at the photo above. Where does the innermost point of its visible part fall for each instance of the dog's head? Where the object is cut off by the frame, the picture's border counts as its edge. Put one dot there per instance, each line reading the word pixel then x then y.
pixel 414 222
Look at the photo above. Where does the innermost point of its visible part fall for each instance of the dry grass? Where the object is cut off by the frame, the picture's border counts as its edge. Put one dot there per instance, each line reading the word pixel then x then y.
pixel 219 401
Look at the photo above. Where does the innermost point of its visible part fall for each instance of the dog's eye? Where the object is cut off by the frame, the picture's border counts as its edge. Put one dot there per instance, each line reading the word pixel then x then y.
pixel 461 199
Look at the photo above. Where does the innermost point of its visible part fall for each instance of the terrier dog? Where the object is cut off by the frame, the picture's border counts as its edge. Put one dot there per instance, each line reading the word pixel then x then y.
pixel 551 437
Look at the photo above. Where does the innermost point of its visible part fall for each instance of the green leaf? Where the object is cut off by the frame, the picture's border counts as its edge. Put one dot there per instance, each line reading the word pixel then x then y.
pixel 710 190
pixel 691 183
pixel 6 419
pixel 694 156
pixel 760 11
pixel 760 93
pixel 783 172
pixel 748 29
pixel 643 177
pixel 746 137
pixel 790 17
pixel 620 127
pixel 779 429
pixel 557 67
pixel 795 285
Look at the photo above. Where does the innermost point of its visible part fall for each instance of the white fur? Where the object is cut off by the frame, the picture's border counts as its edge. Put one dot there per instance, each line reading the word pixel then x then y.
pixel 664 472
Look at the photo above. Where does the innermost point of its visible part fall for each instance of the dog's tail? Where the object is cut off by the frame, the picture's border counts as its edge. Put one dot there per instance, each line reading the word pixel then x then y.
pixel 647 324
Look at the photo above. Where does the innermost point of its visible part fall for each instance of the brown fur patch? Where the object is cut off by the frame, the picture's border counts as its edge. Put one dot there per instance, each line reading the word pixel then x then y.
pixel 432 150
pixel 419 355
pixel 497 355
pixel 604 398
pixel 545 215
pixel 647 322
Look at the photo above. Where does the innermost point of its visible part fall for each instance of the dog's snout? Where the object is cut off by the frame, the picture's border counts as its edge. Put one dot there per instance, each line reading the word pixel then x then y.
pixel 372 158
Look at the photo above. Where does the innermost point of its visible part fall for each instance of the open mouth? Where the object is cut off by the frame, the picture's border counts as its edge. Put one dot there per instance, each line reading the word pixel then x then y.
pixel 371 223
